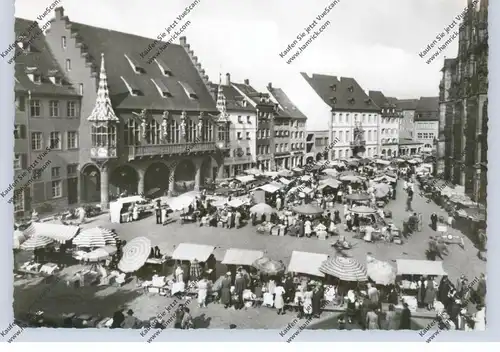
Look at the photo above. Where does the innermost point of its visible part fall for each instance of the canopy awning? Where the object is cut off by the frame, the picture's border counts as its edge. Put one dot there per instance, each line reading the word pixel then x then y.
pixel 271 173
pixel 307 263
pixel 285 181
pixel 131 199
pixel 270 188
pixel 329 183
pixel 191 251
pixel 57 232
pixel 382 162
pixel 235 256
pixel 419 267
pixel 245 179
pixel 305 178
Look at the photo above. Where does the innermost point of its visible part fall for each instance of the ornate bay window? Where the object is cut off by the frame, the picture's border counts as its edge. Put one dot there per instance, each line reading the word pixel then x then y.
pixel 131 132
pixel 103 135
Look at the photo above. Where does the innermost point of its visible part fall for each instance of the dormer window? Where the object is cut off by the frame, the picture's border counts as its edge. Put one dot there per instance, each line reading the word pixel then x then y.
pixel 165 70
pixel 135 65
pixel 68 65
pixel 350 89
pixel 244 103
pixel 162 88
pixel 189 91
pixel 56 80
pixel 35 78
pixel 334 87
pixel 351 101
pixel 132 88
pixel 368 101
pixel 333 100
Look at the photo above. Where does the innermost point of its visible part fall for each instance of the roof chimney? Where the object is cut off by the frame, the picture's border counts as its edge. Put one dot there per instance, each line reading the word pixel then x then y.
pixel 59 12
pixel 270 86
pixel 246 81
pixel 182 40
pixel 228 79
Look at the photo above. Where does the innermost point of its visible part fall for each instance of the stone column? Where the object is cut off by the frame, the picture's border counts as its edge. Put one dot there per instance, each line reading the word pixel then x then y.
pixel 171 179
pixel 104 186
pixel 140 183
pixel 197 176
pixel 220 171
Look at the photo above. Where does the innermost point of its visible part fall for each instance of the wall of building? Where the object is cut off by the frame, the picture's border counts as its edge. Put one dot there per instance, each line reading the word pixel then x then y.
pixel 426 132
pixel 406 124
pixel 243 124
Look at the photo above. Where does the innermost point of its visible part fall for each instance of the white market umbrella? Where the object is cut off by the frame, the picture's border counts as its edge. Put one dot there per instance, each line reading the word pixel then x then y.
pixel 19 239
pixel 35 243
pixel 135 254
pixel 99 254
pixel 261 208
pixel 380 272
pixel 96 237
pixel 183 201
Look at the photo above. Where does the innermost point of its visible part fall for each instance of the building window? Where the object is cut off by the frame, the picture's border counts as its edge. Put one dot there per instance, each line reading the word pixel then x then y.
pixel 72 169
pixel 71 109
pixel 37 79
pixel 19 132
pixel 56 172
pixel 341 136
pixel 240 119
pixel 238 134
pixel 68 65
pixel 18 161
pixel 248 151
pixel 36 141
pixel 249 120
pixel 221 133
pixel 340 118
pixel 103 136
pixel 56 189
pixel 63 42
pixel 248 135
pixel 72 139
pixel 131 132
pixel 80 88
pixel 35 108
pixel 55 140
pixel 54 108
pixel 341 154
pixel 267 149
pixel 37 174
pixel 18 201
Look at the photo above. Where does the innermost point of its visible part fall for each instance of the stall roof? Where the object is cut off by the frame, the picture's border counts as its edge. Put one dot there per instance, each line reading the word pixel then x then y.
pixel 131 199
pixel 245 179
pixel 270 188
pixel 235 256
pixel 307 263
pixel 382 162
pixel 57 232
pixel 284 181
pixel 419 267
pixel 191 251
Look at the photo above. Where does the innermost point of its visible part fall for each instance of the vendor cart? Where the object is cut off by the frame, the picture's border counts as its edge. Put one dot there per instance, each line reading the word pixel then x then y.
pixel 189 217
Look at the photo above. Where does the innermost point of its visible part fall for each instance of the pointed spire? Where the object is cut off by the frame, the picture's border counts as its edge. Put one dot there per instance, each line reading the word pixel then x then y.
pixel 103 110
pixel 221 102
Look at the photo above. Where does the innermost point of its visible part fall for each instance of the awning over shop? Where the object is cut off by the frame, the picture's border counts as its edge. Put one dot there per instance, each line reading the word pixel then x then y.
pixel 57 232
pixel 235 256
pixel 419 267
pixel 245 179
pixel 329 183
pixel 191 251
pixel 307 263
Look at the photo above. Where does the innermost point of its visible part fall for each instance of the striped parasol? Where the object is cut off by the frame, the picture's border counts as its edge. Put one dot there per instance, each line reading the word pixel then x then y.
pixel 96 237
pixel 35 243
pixel 344 268
pixel 195 271
pixel 99 254
pixel 135 254
pixel 269 266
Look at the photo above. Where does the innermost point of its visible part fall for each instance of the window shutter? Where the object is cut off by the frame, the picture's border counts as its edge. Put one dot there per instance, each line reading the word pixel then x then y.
pixel 64 186
pixel 48 190
pixel 38 192
pixel 24 161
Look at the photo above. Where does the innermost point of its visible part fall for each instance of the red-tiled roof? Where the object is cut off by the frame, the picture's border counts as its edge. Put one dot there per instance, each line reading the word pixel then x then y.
pixel 342 93
pixel 40 58
pixel 407 104
pixel 427 109
pixel 117 45
pixel 288 108
pixel 234 100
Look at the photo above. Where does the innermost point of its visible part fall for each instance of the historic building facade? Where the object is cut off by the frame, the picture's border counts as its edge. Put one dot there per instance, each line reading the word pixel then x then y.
pixel 354 117
pixel 407 121
pixel 426 124
pixel 242 118
pixel 389 124
pixel 149 123
pixel 293 124
pixel 46 136
pixel 463 105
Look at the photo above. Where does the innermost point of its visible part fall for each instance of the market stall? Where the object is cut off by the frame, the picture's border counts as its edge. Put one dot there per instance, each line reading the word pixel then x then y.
pixel 96 237
pixel 191 251
pixel 268 266
pixel 119 209
pixel 307 263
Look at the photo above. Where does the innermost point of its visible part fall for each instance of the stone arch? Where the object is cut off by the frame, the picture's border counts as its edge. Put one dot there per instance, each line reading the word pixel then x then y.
pixel 384 152
pixel 184 175
pixel 157 175
pixel 208 169
pixel 90 183
pixel 123 179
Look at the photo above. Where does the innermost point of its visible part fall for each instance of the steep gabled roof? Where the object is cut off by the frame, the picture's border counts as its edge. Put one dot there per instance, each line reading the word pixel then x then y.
pixel 342 93
pixel 394 102
pixel 123 52
pixel 234 100
pixel 407 104
pixel 427 109
pixel 286 106
pixel 39 60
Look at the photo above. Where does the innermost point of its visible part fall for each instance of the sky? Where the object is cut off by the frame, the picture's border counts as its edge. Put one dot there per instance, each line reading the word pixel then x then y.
pixel 375 42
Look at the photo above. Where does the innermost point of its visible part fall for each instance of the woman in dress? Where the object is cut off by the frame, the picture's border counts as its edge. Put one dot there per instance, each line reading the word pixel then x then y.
pixel 307 305
pixel 202 293
pixel 430 294
pixel 307 228
pixel 135 213
pixel 225 294
pixel 390 318
pixel 372 320
pixel 279 302
pixel 179 274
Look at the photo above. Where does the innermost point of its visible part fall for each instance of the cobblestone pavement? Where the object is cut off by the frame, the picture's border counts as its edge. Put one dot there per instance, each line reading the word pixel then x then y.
pixel 459 261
